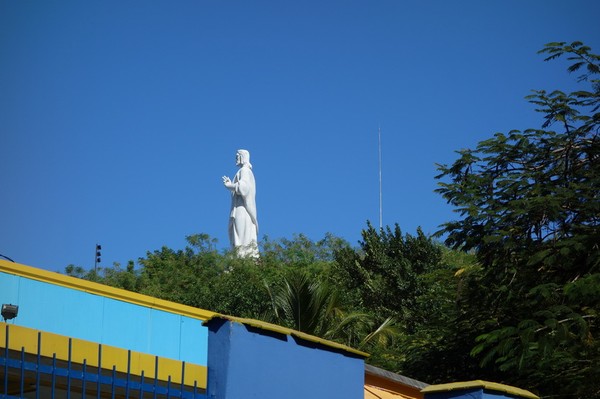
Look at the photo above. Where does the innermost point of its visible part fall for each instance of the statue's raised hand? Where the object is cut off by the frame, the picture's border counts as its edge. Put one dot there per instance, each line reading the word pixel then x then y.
pixel 227 182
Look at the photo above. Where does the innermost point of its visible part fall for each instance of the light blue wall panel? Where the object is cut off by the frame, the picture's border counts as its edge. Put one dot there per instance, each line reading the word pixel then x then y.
pixel 95 318
pixel 165 330
pixel 59 310
pixel 125 325
pixel 191 329
pixel 9 289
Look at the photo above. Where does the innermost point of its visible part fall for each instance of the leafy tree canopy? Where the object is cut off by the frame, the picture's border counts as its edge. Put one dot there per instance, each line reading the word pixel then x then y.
pixel 529 203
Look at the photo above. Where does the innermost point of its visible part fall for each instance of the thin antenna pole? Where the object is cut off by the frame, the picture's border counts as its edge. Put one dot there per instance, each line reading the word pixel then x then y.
pixel 380 191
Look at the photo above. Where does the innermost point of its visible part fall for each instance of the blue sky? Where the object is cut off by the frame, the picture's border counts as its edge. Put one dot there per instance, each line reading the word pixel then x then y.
pixel 118 119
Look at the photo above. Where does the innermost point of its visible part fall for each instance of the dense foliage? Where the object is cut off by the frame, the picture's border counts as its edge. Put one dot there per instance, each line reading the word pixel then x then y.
pixel 512 297
pixel 530 210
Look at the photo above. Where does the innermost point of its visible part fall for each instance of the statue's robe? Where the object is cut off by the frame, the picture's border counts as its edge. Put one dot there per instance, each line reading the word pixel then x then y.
pixel 243 224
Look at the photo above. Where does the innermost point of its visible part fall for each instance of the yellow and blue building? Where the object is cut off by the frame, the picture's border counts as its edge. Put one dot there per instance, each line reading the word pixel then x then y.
pixel 73 338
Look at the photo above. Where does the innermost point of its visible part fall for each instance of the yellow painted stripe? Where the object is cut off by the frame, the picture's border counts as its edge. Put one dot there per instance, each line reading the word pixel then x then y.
pixel 103 290
pixel 492 386
pixel 27 338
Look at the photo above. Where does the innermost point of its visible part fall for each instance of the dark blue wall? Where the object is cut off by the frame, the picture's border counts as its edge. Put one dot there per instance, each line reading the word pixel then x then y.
pixel 474 393
pixel 245 362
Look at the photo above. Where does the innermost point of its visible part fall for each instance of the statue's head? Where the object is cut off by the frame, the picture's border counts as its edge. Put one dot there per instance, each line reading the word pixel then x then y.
pixel 243 158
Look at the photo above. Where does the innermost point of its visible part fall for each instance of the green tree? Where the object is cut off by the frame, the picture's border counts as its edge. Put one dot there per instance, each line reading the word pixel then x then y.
pixel 310 304
pixel 383 276
pixel 438 349
pixel 300 252
pixel 182 276
pixel 202 277
pixel 410 278
pixel 115 276
pixel 529 203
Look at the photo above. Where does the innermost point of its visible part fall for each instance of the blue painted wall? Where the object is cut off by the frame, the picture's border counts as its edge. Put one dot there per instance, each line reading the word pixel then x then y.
pixel 95 318
pixel 462 394
pixel 245 363
pixel 474 393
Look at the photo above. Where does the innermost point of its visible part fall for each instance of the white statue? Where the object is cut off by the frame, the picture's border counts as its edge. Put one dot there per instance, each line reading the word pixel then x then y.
pixel 243 225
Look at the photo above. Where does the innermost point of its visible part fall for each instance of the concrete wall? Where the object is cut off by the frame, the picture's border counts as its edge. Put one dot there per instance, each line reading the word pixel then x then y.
pixel 476 389
pixel 80 314
pixel 246 362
